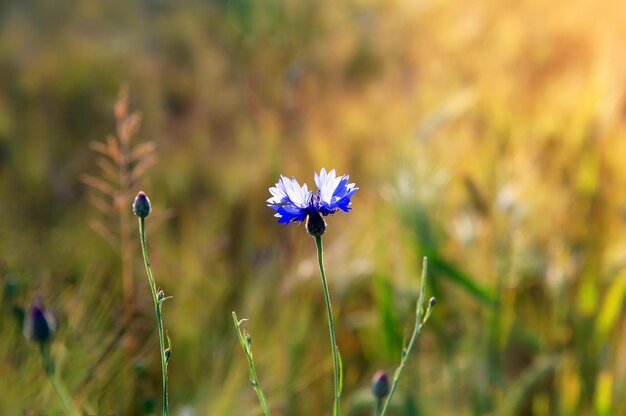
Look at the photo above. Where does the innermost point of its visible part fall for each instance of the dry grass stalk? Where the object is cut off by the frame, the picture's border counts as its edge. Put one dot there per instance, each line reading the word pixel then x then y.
pixel 121 165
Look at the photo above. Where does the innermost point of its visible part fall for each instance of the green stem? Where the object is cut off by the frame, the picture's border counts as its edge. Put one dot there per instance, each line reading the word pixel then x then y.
pixel 157 311
pixel 379 406
pixel 57 384
pixel 420 320
pixel 331 326
pixel 246 344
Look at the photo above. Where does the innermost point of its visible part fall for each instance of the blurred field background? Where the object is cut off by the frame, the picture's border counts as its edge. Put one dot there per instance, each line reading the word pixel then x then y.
pixel 487 135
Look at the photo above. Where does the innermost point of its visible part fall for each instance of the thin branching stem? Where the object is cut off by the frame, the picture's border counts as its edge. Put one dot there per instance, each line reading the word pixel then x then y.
pixel 246 344
pixel 331 327
pixel 420 320
pixel 57 384
pixel 157 311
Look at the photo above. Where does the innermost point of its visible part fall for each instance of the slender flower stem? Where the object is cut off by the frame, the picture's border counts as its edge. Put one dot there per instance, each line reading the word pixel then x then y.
pixel 57 384
pixel 379 406
pixel 157 311
pixel 331 327
pixel 246 344
pixel 420 320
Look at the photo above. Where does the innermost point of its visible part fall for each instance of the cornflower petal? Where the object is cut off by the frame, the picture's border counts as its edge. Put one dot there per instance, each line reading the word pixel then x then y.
pixel 343 193
pixel 289 200
pixel 326 183
pixel 288 213
pixel 334 192
pixel 298 195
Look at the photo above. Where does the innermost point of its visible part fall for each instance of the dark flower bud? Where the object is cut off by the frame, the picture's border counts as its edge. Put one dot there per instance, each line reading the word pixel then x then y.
pixel 380 385
pixel 160 295
pixel 432 301
pixel 39 325
pixel 168 353
pixel 141 206
pixel 315 224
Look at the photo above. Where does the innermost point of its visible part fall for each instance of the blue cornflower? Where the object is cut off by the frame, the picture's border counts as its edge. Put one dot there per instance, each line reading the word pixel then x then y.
pixel 295 203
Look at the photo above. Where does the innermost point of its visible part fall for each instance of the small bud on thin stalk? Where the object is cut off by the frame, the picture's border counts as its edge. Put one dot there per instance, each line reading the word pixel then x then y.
pixel 141 205
pixel 141 208
pixel 246 345
pixel 420 319
pixel 39 327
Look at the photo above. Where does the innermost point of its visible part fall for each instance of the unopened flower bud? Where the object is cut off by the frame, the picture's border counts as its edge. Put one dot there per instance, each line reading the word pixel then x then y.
pixel 39 325
pixel 315 224
pixel 432 301
pixel 380 384
pixel 249 341
pixel 160 295
pixel 168 353
pixel 141 206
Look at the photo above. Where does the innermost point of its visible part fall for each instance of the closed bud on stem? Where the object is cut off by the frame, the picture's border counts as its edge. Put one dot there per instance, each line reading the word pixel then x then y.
pixel 168 353
pixel 141 205
pixel 249 342
pixel 380 385
pixel 315 224
pixel 39 325
pixel 160 295
pixel 429 310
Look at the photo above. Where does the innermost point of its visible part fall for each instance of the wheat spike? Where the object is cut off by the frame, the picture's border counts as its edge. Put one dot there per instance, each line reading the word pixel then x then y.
pixel 120 166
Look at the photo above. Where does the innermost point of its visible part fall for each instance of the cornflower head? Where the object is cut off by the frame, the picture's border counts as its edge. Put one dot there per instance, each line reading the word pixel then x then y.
pixel 295 203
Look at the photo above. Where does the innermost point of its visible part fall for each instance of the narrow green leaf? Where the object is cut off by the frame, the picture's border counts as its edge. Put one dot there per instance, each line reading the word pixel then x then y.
pixel 465 281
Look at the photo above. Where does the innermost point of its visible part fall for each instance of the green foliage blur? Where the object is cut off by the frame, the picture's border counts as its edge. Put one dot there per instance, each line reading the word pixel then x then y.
pixel 487 135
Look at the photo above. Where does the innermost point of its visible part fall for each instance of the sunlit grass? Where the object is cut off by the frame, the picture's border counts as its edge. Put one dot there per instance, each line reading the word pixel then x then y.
pixel 490 136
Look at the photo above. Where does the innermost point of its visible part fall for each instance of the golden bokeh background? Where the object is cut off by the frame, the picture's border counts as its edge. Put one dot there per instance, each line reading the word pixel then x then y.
pixel 489 136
